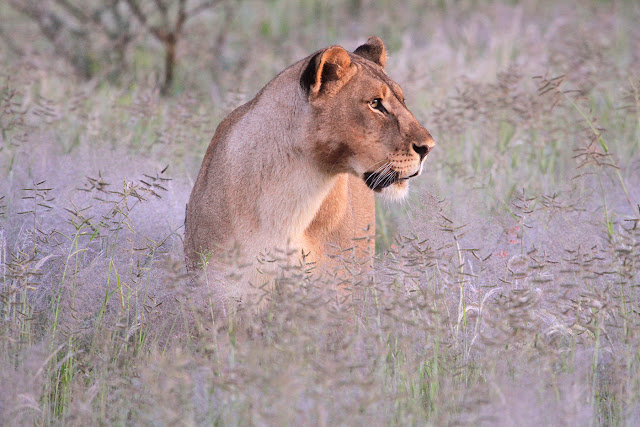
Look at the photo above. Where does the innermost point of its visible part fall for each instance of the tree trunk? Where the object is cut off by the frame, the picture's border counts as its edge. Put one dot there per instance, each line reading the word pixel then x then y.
pixel 169 62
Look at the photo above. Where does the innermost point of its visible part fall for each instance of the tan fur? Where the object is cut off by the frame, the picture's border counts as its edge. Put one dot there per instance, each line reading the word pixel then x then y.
pixel 288 169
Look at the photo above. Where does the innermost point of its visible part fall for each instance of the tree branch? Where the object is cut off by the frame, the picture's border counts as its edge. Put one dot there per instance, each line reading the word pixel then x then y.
pixel 74 10
pixel 160 33
pixel 205 5
pixel 138 13
pixel 181 18
pixel 164 11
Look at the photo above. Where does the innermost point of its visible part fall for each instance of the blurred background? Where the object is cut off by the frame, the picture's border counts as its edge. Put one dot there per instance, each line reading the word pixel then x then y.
pixel 474 72
pixel 506 283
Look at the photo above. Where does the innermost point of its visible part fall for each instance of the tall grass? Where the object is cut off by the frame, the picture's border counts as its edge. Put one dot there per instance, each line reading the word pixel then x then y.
pixel 506 285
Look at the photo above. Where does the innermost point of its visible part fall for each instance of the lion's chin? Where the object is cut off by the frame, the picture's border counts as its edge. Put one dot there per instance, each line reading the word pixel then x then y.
pixel 396 191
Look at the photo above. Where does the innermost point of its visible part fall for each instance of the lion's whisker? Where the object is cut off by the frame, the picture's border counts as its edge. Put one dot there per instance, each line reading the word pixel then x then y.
pixel 383 175
pixel 378 171
pixel 377 163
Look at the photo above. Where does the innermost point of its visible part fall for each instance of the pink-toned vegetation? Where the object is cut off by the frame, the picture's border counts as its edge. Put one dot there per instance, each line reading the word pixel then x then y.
pixel 507 289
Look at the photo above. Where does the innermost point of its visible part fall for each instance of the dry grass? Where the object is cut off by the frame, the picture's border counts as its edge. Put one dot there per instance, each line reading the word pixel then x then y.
pixel 506 288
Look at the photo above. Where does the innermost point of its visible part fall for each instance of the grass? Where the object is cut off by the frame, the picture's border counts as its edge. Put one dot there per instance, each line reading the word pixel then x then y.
pixel 506 285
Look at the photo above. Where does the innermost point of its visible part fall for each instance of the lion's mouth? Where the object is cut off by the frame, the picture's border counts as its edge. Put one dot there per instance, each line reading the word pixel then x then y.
pixel 377 181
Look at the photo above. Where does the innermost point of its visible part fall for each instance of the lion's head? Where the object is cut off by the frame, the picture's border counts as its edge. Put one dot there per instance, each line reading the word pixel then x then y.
pixel 361 124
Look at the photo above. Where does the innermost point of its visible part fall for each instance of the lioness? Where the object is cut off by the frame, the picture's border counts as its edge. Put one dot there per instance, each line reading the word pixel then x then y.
pixel 297 165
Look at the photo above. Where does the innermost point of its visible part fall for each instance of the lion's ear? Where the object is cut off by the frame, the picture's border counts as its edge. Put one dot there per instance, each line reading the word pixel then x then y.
pixel 374 51
pixel 328 66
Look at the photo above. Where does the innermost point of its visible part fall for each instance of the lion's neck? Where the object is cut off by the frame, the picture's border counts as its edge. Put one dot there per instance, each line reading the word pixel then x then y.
pixel 287 187
pixel 287 214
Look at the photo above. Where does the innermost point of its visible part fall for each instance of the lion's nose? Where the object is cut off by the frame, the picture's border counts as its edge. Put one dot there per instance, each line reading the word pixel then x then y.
pixel 421 150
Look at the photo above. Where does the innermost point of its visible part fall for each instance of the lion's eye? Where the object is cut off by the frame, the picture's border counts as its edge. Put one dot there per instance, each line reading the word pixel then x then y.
pixel 377 104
